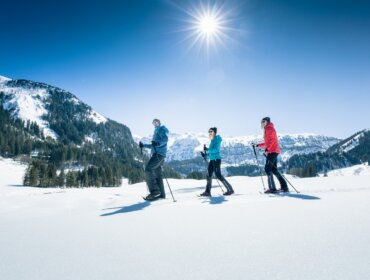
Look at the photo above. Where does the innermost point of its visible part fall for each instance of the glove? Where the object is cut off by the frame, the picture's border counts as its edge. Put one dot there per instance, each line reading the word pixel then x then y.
pixel 141 145
pixel 203 154
pixel 254 145
pixel 155 144
pixel 205 148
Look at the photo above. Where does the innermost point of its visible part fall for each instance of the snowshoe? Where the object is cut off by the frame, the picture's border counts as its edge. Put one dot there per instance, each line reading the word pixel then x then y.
pixel 228 192
pixel 205 194
pixel 152 197
pixel 270 191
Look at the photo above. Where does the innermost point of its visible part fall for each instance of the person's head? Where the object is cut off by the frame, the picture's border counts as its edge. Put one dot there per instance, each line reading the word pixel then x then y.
pixel 156 122
pixel 265 121
pixel 212 132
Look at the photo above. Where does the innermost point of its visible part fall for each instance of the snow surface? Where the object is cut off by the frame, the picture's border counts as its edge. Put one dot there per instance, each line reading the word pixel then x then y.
pixel 355 170
pixel 97 118
pixel 111 233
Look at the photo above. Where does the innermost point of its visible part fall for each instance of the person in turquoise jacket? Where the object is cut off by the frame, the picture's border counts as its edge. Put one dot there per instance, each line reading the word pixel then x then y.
pixel 214 165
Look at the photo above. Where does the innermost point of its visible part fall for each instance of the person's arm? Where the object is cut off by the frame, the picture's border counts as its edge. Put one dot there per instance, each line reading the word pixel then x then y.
pixel 162 138
pixel 261 145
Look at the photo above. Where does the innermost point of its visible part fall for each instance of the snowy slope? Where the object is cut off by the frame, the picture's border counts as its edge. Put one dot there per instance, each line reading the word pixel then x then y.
pixel 352 142
pixel 355 170
pixel 237 150
pixel 111 233
pixel 11 172
pixel 4 79
pixel 28 102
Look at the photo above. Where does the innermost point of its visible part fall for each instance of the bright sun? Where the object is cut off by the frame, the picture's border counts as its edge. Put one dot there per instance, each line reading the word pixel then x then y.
pixel 208 25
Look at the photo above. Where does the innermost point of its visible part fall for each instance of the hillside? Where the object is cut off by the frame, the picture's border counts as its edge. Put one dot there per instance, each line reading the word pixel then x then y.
pixel 58 133
pixel 350 151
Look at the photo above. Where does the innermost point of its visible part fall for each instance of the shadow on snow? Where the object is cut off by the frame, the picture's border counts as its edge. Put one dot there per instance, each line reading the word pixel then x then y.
pixel 300 196
pixel 127 209
pixel 215 199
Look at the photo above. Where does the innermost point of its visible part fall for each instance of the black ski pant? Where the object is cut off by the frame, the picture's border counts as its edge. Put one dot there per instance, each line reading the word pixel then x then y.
pixel 271 169
pixel 214 166
pixel 153 175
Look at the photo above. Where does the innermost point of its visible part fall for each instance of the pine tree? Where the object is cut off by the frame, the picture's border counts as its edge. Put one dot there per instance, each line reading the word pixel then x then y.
pixel 34 174
pixel 27 175
pixel 43 175
pixel 71 179
pixel 61 178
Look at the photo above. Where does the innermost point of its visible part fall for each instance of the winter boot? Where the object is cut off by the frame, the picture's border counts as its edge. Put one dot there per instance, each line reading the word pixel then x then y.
pixel 161 187
pixel 270 191
pixel 229 188
pixel 207 192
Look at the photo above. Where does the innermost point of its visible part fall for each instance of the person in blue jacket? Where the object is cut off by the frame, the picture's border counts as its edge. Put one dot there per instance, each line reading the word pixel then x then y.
pixel 153 169
pixel 214 165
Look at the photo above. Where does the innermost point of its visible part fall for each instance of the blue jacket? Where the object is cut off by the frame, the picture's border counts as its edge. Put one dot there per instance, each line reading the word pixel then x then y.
pixel 161 136
pixel 214 148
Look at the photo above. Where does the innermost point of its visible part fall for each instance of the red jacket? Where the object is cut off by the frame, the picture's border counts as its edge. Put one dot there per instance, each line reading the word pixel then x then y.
pixel 271 141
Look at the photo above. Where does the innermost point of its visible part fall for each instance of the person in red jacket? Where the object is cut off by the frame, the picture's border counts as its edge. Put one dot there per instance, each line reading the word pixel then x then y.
pixel 272 148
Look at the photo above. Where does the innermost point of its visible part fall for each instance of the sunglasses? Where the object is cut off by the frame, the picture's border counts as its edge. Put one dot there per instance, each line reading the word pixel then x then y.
pixel 210 131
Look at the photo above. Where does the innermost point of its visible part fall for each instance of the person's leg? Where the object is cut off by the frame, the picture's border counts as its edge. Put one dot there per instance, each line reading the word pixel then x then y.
pixel 229 188
pixel 275 171
pixel 159 180
pixel 268 170
pixel 210 170
pixel 154 162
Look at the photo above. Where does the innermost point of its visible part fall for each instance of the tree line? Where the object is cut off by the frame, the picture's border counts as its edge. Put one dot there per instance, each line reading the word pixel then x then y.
pixel 41 174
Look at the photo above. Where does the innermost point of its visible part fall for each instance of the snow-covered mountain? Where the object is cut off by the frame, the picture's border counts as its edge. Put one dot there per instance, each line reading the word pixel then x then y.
pixel 237 150
pixel 29 101
pixel 349 143
pixel 55 130
pixel 351 151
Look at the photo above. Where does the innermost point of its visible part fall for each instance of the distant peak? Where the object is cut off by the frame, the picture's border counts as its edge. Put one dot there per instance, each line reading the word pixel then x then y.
pixel 4 79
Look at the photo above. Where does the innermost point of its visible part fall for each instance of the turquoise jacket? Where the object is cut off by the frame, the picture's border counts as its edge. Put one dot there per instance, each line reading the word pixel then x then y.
pixel 214 148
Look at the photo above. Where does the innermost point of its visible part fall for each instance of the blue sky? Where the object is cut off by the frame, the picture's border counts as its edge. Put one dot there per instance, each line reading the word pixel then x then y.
pixel 306 64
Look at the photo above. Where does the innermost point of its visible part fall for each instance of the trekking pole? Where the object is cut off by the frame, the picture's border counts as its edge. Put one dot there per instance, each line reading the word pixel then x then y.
pixel 289 182
pixel 215 178
pixel 282 175
pixel 259 167
pixel 173 198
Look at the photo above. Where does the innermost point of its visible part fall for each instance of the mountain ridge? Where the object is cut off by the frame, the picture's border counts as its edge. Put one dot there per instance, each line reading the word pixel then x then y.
pixel 56 130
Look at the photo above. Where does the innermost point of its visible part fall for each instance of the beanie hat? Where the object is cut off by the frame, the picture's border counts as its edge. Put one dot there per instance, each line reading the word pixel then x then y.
pixel 214 129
